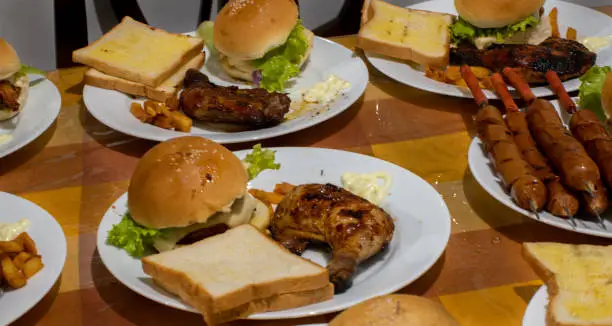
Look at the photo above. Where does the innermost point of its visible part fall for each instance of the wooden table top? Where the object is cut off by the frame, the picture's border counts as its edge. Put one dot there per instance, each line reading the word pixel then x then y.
pixel 78 167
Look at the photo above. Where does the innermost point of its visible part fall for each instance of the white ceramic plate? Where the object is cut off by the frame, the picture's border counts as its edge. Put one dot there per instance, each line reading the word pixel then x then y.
pixel 51 244
pixel 422 230
pixel 535 315
pixel 113 108
pixel 41 109
pixel 482 169
pixel 586 21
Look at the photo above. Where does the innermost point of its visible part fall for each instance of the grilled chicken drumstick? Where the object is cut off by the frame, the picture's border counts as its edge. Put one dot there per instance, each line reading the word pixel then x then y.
pixel 560 201
pixel 354 228
pixel 577 170
pixel 527 191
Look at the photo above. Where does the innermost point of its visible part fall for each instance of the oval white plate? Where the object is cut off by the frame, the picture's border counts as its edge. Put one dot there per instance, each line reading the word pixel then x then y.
pixel 422 230
pixel 586 21
pixel 41 109
pixel 51 244
pixel 482 169
pixel 535 315
pixel 113 108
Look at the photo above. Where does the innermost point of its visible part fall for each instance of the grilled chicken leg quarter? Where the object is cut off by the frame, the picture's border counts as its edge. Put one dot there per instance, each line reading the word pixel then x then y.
pixel 354 228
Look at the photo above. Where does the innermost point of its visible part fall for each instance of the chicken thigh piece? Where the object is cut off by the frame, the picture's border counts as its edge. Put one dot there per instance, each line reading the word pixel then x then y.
pixel 354 228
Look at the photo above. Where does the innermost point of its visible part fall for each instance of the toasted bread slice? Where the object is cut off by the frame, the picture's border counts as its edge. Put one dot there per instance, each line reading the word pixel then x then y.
pixel 579 282
pixel 160 93
pixel 407 34
pixel 239 272
pixel 140 53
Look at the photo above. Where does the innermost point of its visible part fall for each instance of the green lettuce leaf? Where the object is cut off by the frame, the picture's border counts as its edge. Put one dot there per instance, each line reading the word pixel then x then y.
pixel 259 160
pixel 205 32
pixel 590 90
pixel 25 69
pixel 283 63
pixel 461 30
pixel 137 240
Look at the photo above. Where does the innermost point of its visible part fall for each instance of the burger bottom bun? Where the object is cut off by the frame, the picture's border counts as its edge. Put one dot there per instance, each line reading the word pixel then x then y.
pixel 23 83
pixel 243 70
pixel 395 310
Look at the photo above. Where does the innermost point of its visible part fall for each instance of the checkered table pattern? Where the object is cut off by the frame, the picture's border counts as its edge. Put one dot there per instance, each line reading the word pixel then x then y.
pixel 78 167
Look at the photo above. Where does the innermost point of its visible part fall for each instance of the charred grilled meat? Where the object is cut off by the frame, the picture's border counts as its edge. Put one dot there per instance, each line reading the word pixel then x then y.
pixel 354 228
pixel 569 59
pixel 202 100
pixel 9 96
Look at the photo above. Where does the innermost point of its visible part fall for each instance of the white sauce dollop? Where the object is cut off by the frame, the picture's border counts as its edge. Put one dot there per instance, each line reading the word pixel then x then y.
pixel 9 231
pixel 371 186
pixel 327 90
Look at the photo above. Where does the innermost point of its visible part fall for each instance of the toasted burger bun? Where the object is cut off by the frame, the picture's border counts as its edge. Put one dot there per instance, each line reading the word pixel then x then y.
pixel 9 60
pixel 496 13
pixel 395 310
pixel 243 69
pixel 248 29
pixel 184 181
pixel 9 65
pixel 606 96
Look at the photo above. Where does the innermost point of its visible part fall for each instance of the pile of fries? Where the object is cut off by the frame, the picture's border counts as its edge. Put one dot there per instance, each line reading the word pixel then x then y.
pixel 19 261
pixel 275 197
pixel 452 75
pixel 163 115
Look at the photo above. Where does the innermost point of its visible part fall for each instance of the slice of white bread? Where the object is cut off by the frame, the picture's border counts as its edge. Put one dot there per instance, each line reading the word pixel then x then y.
pixel 416 35
pixel 139 53
pixel 579 282
pixel 165 90
pixel 237 273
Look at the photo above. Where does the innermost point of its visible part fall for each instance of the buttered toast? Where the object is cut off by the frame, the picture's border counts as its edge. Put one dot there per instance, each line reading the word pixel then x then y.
pixel 407 34
pixel 579 282
pixel 165 90
pixel 237 273
pixel 140 53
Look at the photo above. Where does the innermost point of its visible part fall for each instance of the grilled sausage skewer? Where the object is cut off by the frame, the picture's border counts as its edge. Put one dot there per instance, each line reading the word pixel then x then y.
pixel 527 191
pixel 589 131
pixel 577 170
pixel 561 202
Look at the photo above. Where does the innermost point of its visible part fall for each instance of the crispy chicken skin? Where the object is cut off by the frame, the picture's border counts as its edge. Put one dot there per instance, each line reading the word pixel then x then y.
pixel 354 228
pixel 9 95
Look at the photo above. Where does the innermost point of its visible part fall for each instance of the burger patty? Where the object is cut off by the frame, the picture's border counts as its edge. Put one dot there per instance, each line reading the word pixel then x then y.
pixel 9 95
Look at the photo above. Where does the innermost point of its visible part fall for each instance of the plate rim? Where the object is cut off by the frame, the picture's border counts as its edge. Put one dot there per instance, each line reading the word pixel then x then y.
pixel 64 254
pixel 533 309
pixel 444 233
pixel 44 123
pixel 169 134
pixel 543 91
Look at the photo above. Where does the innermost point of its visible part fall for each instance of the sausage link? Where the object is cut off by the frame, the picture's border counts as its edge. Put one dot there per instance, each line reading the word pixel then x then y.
pixel 589 131
pixel 576 168
pixel 560 201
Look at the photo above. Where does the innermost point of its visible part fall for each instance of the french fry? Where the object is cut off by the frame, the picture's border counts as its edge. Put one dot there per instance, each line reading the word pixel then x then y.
pixel 150 108
pixel 180 121
pixel 32 266
pixel 11 247
pixel 452 74
pixel 269 197
pixel 283 188
pixel 14 277
pixel 137 111
pixel 552 16
pixel 28 244
pixel 173 103
pixel 571 34
pixel 162 121
pixel 20 259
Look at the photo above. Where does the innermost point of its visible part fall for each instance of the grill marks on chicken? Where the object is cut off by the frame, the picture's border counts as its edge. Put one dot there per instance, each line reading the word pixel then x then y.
pixel 205 101
pixel 9 95
pixel 568 58
pixel 354 228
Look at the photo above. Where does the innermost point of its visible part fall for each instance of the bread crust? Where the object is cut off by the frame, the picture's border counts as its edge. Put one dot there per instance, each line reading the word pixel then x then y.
pixel 160 93
pixel 110 68
pixel 496 13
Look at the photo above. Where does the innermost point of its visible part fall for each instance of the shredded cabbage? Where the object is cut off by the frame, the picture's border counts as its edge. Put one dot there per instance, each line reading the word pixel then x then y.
pixel 461 30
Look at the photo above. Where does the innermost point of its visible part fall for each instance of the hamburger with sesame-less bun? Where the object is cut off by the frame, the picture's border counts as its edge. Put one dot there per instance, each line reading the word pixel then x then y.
pixel 483 23
pixel 262 41
pixel 184 190
pixel 14 83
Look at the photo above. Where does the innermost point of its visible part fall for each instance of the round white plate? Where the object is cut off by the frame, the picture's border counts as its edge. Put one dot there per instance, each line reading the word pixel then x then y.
pixel 482 169
pixel 421 234
pixel 535 315
pixel 586 21
pixel 41 109
pixel 113 108
pixel 51 245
